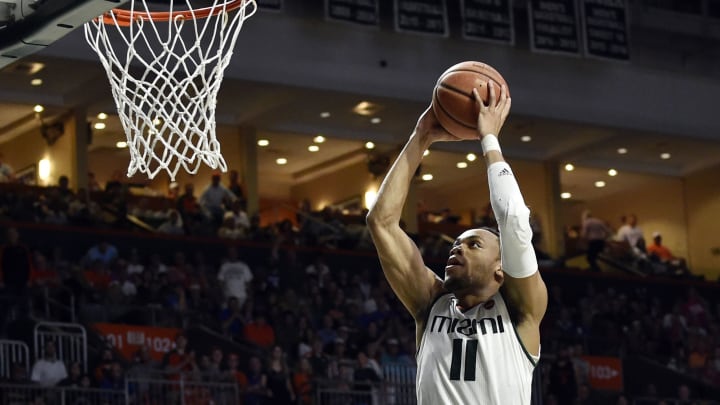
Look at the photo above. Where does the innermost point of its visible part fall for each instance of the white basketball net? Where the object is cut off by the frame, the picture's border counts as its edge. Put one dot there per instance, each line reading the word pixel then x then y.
pixel 167 108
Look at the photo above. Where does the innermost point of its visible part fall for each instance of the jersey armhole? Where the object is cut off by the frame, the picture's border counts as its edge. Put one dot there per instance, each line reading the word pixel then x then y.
pixel 533 359
pixel 426 319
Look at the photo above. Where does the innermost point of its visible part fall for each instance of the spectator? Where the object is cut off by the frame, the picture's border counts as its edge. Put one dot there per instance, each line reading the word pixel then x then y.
pixel 93 184
pixel 366 374
pixel 562 379
pixel 259 332
pixel 633 235
pixel 64 188
pixel 180 360
pixel 42 274
pixel 303 382
pixel 232 318
pixel 585 396
pixel 49 370
pixel 173 225
pixel 257 391
pixel 215 198
pixel 684 395
pixel 15 263
pixel 278 379
pixel 238 376
pixel 115 380
pixel 229 229
pixel 103 252
pixel 661 253
pixel 189 209
pixel 235 187
pixel 238 209
pixel 7 174
pixel 595 232
pixel 234 276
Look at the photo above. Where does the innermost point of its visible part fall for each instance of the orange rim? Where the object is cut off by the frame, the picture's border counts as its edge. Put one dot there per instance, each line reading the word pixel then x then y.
pixel 125 18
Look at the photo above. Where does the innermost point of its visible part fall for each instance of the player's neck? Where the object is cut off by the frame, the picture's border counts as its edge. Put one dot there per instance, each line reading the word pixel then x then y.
pixel 468 300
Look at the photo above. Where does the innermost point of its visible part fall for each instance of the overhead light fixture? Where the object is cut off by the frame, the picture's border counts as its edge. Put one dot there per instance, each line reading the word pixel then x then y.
pixel 622 151
pixel 365 108
pixel 565 195
pixel 36 82
pixel 263 142
pixel 99 125
pixel 569 167
pixel 319 139
pixel 121 144
pixel 375 120
pixel 471 157
pixel 369 145
pixel 324 114
pixel 102 116
pixel 427 152
pixel 612 172
pixel 461 165
pixel 38 108
pixel 665 156
pixel 526 138
pixel 599 184
pixel 157 122
pixel 427 177
pixel 281 161
pixel 313 148
pixel 44 169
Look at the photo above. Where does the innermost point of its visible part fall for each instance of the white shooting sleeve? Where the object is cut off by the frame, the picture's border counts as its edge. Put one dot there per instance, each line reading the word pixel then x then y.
pixel 513 216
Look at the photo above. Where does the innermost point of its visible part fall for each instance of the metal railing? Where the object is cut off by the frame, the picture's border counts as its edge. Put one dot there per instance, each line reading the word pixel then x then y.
pixel 672 401
pixel 13 352
pixel 70 341
pixel 181 391
pixel 23 394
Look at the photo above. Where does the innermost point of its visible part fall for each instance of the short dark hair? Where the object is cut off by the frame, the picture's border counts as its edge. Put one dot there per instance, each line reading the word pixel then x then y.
pixel 493 231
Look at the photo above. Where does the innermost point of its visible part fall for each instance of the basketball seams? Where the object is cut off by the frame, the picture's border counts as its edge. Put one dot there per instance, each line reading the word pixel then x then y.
pixel 451 116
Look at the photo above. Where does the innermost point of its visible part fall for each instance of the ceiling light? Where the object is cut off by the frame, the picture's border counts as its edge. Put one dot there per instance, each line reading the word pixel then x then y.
pixel 313 148
pixel 36 82
pixel 102 116
pixel 281 161
pixel 38 108
pixel 612 172
pixel 665 156
pixel 369 145
pixel 599 184
pixel 157 121
pixel 569 167
pixel 365 108
pixel 324 114
pixel 263 142
pixel 99 125
pixel 319 139
pixel 427 177
pixel 461 165
pixel 526 138
pixel 471 157
pixel 427 152
pixel 375 120
pixel 121 144
pixel 565 195
pixel 622 151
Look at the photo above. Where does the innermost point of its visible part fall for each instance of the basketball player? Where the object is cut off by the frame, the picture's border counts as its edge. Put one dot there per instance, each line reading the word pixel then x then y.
pixel 477 330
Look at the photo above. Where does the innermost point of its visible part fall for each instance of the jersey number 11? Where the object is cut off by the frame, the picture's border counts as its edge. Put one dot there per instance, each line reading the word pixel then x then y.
pixel 470 358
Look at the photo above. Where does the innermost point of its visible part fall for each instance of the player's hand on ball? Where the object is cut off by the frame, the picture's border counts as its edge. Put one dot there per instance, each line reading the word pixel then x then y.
pixel 429 126
pixel 491 117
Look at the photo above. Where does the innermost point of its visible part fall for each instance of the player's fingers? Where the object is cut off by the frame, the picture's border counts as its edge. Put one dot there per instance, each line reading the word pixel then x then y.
pixel 506 108
pixel 492 95
pixel 478 99
pixel 503 98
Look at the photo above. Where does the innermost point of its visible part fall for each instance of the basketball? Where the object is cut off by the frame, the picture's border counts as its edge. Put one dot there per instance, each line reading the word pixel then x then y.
pixel 453 101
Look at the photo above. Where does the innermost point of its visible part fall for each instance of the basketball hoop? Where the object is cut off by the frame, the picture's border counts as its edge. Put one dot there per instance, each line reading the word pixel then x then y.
pixel 167 108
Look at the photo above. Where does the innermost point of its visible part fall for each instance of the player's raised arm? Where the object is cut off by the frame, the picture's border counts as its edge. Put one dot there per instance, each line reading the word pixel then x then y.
pixel 525 289
pixel 414 284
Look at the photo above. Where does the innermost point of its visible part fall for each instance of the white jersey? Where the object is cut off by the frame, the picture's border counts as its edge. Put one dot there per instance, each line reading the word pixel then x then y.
pixel 472 357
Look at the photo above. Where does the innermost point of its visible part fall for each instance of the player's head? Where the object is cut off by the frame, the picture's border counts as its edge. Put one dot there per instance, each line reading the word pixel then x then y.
pixel 474 262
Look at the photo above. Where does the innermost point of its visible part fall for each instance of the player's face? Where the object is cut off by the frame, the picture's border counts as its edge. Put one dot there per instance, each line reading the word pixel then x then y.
pixel 474 261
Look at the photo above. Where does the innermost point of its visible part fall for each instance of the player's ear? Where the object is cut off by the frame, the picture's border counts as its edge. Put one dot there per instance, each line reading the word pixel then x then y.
pixel 499 275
